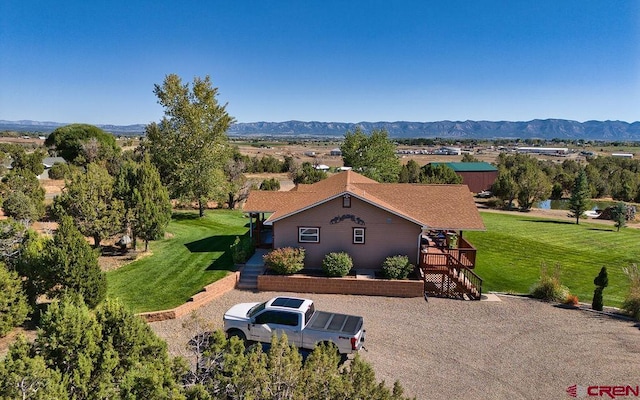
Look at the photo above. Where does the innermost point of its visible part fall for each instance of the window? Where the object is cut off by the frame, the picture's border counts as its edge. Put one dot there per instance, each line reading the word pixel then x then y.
pixel 278 318
pixel 358 235
pixel 308 235
pixel 346 201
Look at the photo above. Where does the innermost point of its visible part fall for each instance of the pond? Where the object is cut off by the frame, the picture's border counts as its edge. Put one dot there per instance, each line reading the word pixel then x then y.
pixel 563 204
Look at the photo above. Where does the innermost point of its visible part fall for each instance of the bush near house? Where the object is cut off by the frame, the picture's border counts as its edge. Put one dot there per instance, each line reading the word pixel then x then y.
pixel 242 249
pixel 337 264
pixel 397 267
pixel 285 260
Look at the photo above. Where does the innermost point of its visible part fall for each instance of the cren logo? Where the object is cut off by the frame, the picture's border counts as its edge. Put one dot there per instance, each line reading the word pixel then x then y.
pixel 572 390
pixel 611 392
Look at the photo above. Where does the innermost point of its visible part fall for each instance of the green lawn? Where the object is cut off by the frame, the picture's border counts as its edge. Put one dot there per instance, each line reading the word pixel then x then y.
pixel 514 246
pixel 196 255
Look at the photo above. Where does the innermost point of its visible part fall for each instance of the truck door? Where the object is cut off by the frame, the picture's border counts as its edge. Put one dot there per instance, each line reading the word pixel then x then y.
pixel 269 322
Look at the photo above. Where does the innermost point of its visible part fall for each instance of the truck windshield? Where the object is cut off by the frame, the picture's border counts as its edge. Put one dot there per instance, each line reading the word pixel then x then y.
pixel 309 314
pixel 256 309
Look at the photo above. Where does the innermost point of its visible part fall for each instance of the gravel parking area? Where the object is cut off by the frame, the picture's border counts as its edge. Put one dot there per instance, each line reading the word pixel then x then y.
pixel 516 348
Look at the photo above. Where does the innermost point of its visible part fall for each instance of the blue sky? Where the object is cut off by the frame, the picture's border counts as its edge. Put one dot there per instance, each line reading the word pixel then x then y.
pixel 340 61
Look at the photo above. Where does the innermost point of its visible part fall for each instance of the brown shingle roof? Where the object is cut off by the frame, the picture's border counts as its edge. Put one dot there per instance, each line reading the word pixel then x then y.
pixel 432 206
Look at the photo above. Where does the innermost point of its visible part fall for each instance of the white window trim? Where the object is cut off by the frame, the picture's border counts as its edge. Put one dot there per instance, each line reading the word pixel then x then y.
pixel 358 236
pixel 308 231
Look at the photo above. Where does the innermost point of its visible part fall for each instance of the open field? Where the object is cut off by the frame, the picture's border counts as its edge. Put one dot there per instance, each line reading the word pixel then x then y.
pixel 180 266
pixel 516 348
pixel 515 245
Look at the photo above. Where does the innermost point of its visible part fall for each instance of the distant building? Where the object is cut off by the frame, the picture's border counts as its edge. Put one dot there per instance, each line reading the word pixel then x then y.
pixel 448 151
pixel 335 152
pixel 622 155
pixel 550 151
pixel 478 176
pixel 322 167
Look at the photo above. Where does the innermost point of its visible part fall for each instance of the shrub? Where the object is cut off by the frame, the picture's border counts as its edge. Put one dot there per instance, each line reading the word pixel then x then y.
pixel 571 300
pixel 397 267
pixel 631 303
pixel 270 184
pixel 337 264
pixel 60 171
pixel 286 260
pixel 549 288
pixel 242 249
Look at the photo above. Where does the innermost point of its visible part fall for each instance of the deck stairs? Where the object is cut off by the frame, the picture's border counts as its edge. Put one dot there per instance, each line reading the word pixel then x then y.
pixel 453 280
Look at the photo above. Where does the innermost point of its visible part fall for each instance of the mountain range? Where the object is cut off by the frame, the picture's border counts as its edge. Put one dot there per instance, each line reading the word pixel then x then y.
pixel 534 129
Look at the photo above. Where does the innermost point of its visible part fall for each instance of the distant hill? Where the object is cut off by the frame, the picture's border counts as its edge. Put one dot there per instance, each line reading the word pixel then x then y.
pixel 535 129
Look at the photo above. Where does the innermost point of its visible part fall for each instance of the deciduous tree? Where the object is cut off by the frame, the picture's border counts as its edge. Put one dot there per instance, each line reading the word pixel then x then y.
pixel 372 155
pixel 189 145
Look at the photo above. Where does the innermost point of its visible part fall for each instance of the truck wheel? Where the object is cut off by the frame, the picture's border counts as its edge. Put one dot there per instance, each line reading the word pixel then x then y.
pixel 237 333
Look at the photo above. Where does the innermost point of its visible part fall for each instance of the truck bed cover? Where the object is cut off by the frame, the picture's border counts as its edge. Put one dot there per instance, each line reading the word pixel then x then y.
pixel 340 323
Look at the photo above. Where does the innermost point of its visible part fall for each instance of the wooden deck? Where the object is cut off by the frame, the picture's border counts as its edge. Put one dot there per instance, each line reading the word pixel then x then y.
pixel 448 272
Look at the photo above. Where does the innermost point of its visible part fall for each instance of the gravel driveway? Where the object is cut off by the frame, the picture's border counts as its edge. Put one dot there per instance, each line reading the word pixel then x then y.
pixel 516 348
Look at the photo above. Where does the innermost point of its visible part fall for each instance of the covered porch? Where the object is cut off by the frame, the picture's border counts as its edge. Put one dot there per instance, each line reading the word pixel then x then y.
pixel 260 232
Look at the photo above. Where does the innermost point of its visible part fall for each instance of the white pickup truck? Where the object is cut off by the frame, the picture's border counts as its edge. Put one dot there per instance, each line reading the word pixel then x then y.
pixel 304 326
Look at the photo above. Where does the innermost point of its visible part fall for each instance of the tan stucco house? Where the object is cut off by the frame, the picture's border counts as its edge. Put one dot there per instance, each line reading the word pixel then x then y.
pixel 369 220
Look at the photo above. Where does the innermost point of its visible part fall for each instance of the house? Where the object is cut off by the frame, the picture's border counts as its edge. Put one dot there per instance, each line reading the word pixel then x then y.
pixel 478 176
pixel 371 221
pixel 335 152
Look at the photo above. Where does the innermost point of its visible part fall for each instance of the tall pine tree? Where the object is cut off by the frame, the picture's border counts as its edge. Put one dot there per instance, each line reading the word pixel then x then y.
pixel 73 265
pixel 579 201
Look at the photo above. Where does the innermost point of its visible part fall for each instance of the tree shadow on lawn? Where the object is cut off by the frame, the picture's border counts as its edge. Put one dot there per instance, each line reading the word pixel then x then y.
pixel 601 229
pixel 549 221
pixel 184 216
pixel 211 244
pixel 219 243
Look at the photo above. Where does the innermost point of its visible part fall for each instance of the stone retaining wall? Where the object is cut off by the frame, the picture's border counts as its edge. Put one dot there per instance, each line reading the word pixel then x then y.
pixel 346 285
pixel 209 293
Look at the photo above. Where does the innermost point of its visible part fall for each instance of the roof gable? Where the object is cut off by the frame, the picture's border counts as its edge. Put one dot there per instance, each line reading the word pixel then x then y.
pixel 432 206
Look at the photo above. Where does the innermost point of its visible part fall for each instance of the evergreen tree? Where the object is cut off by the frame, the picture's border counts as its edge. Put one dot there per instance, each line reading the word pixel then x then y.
pixel 152 210
pixel 579 201
pixel 409 172
pixel 24 375
pixel 73 265
pixel 619 215
pixel 601 281
pixel 70 141
pixel 13 302
pixel 89 199
pixel 23 196
pixel 440 174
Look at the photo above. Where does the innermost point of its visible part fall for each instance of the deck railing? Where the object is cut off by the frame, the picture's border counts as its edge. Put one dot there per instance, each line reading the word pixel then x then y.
pixel 455 264
pixel 464 254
